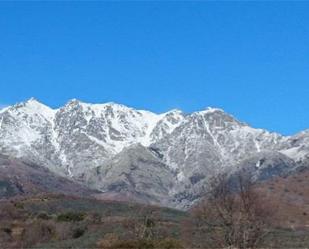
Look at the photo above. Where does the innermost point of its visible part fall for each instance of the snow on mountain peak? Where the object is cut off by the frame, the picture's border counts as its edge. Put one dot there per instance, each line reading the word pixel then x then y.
pixel 174 111
pixel 183 149
pixel 210 110
pixel 32 107
pixel 72 134
pixel 4 108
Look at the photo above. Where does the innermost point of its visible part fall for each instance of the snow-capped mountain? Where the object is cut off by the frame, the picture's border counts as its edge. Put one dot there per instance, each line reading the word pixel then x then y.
pixel 168 156
pixel 78 136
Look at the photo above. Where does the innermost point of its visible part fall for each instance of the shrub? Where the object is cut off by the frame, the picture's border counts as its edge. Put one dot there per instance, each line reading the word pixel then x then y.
pixel 95 218
pixel 43 216
pixel 70 216
pixel 19 205
pixel 38 232
pixel 133 244
pixel 9 211
pixel 108 241
pixel 170 244
pixel 7 230
pixel 63 230
pixel 112 242
pixel 78 232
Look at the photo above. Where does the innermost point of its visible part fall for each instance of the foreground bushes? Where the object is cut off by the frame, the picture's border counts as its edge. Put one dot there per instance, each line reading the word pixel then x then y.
pixel 71 217
pixel 111 241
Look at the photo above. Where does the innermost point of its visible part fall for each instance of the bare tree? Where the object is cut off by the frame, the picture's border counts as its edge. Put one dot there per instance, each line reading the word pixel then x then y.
pixel 233 214
pixel 143 225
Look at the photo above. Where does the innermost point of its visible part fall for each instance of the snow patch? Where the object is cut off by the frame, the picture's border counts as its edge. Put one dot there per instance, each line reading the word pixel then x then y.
pixel 295 153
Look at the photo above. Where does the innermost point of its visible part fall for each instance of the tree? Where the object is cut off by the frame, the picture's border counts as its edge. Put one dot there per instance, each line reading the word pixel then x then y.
pixel 143 226
pixel 233 214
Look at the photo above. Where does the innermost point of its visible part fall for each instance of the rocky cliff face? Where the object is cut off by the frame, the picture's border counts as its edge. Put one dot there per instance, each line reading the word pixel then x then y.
pixel 162 158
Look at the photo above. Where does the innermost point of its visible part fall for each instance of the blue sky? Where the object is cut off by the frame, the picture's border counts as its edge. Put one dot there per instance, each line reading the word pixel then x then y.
pixel 249 58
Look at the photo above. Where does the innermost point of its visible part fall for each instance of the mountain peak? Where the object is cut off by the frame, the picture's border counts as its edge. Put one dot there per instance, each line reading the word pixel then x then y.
pixel 31 103
pixel 116 105
pixel 33 106
pixel 32 100
pixel 73 102
pixel 175 111
pixel 211 110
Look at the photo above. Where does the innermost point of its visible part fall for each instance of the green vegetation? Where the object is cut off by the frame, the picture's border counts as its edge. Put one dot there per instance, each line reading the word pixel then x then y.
pixel 114 243
pixel 43 216
pixel 65 222
pixel 71 217
pixel 78 232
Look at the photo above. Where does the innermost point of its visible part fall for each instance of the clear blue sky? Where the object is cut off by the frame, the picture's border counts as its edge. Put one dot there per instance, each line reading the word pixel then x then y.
pixel 249 58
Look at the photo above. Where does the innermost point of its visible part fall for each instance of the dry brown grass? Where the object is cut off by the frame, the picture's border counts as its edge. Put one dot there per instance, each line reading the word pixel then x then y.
pixel 291 195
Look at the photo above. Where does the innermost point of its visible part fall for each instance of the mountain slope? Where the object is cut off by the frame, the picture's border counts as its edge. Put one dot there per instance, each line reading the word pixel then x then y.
pixel 136 172
pixel 19 178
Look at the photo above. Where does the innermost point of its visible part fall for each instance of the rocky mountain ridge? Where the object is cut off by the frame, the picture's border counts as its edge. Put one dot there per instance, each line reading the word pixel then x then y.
pixel 165 158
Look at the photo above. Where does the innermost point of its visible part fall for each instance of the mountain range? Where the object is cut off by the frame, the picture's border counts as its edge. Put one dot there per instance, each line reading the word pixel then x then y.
pixel 121 152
